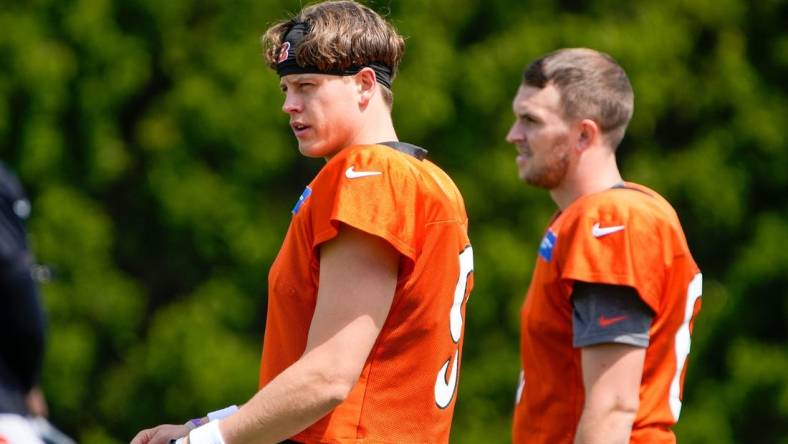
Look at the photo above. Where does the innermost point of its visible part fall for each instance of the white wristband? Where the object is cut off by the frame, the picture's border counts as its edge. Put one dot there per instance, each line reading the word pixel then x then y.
pixel 206 434
pixel 223 413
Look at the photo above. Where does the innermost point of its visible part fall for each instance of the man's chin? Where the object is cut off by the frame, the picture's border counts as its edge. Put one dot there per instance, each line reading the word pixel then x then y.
pixel 308 149
pixel 529 178
pixel 537 181
pixel 317 151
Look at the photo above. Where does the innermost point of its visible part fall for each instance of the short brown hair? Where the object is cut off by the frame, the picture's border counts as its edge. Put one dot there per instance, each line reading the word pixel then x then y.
pixel 341 34
pixel 592 85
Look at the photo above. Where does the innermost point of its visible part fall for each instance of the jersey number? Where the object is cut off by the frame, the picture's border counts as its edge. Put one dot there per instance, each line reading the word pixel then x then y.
pixel 446 384
pixel 694 291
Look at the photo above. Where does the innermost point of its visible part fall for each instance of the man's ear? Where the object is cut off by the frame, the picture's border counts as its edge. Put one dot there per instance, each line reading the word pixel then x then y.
pixel 367 85
pixel 588 134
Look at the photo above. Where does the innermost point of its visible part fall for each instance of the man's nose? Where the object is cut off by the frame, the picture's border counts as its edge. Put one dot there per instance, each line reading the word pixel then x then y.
pixel 291 104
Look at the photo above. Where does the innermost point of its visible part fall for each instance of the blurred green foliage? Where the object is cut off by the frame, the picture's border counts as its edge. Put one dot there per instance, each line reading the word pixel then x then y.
pixel 150 138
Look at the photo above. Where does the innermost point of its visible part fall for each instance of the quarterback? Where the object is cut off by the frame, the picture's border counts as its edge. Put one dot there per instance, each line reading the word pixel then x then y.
pixel 367 295
pixel 606 323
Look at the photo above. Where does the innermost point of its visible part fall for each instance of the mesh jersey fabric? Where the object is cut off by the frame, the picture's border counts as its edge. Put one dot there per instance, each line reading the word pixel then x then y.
pixel 415 207
pixel 586 242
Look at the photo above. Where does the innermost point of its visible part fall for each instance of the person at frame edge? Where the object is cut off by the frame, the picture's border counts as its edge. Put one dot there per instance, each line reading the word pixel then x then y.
pixel 367 294
pixel 22 320
pixel 606 323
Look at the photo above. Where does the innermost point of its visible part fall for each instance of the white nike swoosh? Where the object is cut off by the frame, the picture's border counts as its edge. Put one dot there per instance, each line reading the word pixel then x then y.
pixel 350 173
pixel 598 231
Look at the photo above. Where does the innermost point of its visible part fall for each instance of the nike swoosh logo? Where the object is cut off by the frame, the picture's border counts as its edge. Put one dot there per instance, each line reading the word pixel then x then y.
pixel 351 173
pixel 598 231
pixel 607 322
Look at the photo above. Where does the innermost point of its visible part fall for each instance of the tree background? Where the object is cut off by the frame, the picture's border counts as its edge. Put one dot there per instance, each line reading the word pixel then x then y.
pixel 150 139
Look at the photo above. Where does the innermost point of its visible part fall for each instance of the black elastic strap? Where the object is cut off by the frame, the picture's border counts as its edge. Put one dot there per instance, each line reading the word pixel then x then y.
pixel 408 148
pixel 287 62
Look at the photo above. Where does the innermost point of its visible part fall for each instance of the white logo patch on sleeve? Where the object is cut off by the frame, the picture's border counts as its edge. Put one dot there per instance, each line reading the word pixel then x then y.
pixel 598 231
pixel 351 173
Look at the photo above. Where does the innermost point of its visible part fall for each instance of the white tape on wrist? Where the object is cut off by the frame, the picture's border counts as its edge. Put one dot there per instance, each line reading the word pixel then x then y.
pixel 193 423
pixel 206 434
pixel 223 413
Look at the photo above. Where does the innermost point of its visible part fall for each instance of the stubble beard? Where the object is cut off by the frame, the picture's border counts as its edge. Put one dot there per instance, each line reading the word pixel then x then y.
pixel 552 170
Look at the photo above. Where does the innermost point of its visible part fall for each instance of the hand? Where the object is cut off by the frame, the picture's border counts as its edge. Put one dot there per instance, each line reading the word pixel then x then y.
pixel 36 403
pixel 161 434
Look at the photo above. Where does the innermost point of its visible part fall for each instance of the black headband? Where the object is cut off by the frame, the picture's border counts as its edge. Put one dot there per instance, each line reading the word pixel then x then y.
pixel 287 64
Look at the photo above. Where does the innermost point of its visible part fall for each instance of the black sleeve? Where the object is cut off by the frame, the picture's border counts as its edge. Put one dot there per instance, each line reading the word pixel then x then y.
pixel 605 313
pixel 22 327
pixel 22 323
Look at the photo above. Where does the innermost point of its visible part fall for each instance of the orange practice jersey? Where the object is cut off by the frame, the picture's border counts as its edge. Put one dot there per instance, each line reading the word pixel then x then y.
pixel 407 388
pixel 626 236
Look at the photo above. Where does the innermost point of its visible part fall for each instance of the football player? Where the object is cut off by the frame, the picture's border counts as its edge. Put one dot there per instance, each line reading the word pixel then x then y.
pixel 367 294
pixel 606 323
